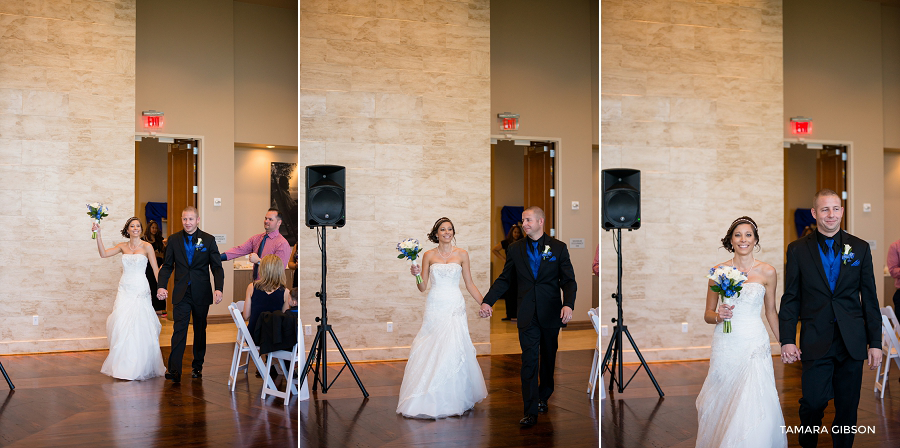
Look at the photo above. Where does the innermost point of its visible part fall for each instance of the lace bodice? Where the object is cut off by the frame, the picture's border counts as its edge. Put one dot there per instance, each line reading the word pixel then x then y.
pixel 749 304
pixel 445 297
pixel 134 264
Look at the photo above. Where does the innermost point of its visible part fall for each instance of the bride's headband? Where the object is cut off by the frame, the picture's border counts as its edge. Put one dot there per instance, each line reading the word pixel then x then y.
pixel 744 221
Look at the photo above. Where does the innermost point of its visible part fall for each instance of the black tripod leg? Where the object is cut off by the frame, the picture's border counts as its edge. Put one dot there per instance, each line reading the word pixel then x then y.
pixel 347 361
pixel 610 351
pixel 644 363
pixel 8 381
pixel 309 359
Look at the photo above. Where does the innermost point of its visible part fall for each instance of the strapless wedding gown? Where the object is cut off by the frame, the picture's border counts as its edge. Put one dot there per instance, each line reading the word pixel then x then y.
pixel 738 405
pixel 133 327
pixel 442 377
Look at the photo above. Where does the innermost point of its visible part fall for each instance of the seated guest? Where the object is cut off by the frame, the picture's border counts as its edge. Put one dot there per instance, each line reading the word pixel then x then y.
pixel 258 246
pixel 268 293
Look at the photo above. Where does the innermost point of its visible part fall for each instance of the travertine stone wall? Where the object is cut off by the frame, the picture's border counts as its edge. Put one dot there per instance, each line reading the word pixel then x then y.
pixel 399 93
pixel 66 139
pixel 691 95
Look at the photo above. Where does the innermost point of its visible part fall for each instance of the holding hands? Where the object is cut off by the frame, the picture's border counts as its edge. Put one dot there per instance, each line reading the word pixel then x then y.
pixel 790 353
pixel 162 294
pixel 486 310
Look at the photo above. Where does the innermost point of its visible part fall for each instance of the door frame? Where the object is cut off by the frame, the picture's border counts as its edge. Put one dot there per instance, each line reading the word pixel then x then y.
pixel 556 174
pixel 200 161
pixel 850 218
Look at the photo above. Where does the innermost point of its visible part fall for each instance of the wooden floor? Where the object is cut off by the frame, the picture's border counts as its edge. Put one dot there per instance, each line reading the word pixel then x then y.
pixel 64 400
pixel 342 418
pixel 639 418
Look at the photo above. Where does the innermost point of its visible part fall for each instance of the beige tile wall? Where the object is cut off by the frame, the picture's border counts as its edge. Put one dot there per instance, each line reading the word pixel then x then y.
pixel 397 91
pixel 691 95
pixel 66 139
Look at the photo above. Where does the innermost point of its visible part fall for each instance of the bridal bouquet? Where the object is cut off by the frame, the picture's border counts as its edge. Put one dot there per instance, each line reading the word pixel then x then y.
pixel 728 281
pixel 97 212
pixel 409 249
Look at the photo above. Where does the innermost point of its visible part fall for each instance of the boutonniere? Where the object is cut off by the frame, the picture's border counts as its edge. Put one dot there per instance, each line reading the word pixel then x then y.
pixel 847 255
pixel 199 243
pixel 546 254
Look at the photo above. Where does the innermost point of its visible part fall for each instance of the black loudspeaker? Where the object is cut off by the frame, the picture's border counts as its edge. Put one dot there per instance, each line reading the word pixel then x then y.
pixel 621 205
pixel 325 199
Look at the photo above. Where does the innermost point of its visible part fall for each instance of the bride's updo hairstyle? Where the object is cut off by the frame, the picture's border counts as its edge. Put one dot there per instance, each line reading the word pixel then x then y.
pixel 432 236
pixel 726 242
pixel 128 223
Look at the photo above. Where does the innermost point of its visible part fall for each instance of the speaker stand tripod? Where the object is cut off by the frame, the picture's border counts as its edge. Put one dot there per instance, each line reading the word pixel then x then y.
pixel 8 381
pixel 615 342
pixel 317 351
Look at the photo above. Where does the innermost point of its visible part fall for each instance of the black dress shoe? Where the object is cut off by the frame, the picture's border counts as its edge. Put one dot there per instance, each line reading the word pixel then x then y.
pixel 175 377
pixel 542 406
pixel 528 420
pixel 196 373
pixel 506 318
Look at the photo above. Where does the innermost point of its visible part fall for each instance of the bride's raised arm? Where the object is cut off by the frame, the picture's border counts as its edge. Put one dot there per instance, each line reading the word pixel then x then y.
pixel 467 277
pixel 425 272
pixel 104 253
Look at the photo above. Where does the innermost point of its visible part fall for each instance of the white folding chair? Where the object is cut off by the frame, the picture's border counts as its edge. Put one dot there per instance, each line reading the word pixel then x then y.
pixel 889 312
pixel 596 380
pixel 282 356
pixel 304 388
pixel 246 342
pixel 238 363
pixel 890 348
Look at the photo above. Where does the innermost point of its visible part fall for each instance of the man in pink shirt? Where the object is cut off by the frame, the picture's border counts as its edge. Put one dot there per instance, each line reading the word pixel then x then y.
pixel 260 245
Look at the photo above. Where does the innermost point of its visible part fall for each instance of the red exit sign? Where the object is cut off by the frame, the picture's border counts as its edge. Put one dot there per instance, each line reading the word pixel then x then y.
pixel 801 126
pixel 152 120
pixel 510 124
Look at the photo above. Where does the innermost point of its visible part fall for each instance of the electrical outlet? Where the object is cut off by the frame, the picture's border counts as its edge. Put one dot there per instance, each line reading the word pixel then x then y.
pixel 684 327
pixel 390 327
pixel 307 329
pixel 604 330
pixel 34 320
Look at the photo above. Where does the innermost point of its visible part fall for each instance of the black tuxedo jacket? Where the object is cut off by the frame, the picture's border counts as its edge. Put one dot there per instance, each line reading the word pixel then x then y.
pixel 539 295
pixel 206 259
pixel 808 298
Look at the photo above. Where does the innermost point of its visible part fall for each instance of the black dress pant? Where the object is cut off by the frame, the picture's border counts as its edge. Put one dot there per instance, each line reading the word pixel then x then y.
pixel 539 346
pixel 183 311
pixel 835 375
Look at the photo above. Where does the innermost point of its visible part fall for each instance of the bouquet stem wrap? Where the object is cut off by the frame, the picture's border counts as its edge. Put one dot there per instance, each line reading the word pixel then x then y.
pixel 726 323
pixel 415 262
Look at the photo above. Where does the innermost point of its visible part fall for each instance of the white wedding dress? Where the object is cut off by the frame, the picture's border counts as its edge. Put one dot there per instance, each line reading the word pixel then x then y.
pixel 133 327
pixel 738 405
pixel 442 377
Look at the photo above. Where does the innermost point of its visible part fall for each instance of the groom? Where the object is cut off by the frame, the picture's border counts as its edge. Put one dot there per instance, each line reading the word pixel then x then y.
pixel 192 253
pixel 830 287
pixel 540 266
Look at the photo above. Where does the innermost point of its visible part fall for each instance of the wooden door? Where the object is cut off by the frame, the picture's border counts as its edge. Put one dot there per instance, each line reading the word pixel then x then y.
pixel 181 192
pixel 831 173
pixel 539 181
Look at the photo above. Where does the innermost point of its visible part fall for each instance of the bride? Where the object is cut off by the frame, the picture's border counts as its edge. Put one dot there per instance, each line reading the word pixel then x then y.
pixel 442 377
pixel 738 405
pixel 133 327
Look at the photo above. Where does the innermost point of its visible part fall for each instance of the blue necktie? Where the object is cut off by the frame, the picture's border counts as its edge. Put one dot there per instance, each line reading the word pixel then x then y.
pixel 262 244
pixel 830 257
pixel 189 248
pixel 535 258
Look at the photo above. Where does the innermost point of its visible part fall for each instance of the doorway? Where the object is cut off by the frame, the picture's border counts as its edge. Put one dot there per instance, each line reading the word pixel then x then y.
pixel 523 174
pixel 810 167
pixel 166 181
